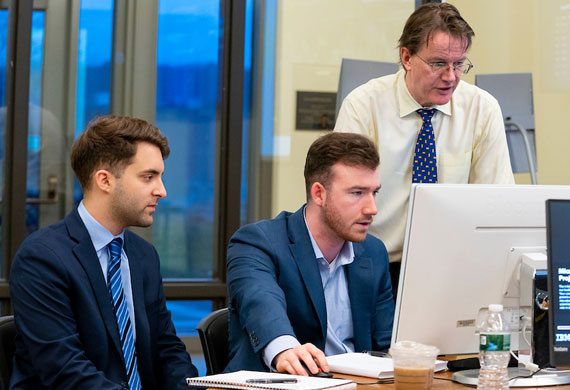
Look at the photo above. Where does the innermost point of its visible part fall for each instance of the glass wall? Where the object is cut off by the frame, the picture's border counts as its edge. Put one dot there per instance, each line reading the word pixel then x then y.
pixel 529 36
pixel 301 49
pixel 34 135
pixel 307 40
pixel 188 62
pixel 186 107
pixel 95 43
pixel 95 57
pixel 94 49
pixel 38 130
pixel 3 44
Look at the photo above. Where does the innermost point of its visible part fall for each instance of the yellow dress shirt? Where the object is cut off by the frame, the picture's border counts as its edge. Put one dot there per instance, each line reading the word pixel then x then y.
pixel 470 138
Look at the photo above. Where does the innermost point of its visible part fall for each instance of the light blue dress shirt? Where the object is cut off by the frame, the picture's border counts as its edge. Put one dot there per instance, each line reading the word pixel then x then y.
pixel 101 237
pixel 340 333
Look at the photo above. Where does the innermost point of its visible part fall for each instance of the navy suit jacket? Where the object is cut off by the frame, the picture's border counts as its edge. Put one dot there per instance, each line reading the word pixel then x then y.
pixel 67 334
pixel 275 289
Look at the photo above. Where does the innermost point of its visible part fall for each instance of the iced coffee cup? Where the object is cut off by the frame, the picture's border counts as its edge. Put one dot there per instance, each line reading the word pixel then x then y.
pixel 413 365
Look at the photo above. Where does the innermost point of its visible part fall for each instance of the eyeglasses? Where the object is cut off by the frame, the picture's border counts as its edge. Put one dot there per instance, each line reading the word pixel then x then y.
pixel 458 67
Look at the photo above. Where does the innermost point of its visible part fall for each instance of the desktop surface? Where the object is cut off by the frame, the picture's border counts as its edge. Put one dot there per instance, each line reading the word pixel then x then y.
pixel 441 381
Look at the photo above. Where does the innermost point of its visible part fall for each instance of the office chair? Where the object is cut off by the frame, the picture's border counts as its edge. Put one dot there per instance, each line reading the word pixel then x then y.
pixel 354 73
pixel 7 335
pixel 213 331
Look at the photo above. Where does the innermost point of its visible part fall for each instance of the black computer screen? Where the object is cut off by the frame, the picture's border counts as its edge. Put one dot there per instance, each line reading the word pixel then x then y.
pixel 558 248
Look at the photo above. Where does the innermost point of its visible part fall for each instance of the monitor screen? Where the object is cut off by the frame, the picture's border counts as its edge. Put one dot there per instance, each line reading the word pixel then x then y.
pixel 558 258
pixel 462 252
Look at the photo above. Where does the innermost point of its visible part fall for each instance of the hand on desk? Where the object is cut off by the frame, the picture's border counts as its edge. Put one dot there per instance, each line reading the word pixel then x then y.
pixel 290 360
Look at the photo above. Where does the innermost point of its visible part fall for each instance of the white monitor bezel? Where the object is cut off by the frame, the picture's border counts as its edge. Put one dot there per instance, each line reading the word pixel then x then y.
pixel 442 306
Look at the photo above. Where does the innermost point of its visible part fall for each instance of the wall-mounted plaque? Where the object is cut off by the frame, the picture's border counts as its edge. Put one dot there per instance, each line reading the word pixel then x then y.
pixel 315 110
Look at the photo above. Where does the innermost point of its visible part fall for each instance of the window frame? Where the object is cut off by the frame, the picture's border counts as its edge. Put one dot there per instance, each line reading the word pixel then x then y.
pixel 228 129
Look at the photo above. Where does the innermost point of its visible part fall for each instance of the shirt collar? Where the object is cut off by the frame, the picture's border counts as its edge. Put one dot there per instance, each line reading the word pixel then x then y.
pixel 100 236
pixel 407 103
pixel 346 254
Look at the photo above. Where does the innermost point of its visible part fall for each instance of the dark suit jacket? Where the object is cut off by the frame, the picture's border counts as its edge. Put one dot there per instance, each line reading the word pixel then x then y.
pixel 67 332
pixel 275 289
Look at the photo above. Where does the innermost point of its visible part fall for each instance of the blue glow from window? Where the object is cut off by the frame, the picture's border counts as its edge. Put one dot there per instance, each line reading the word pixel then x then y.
pixel 247 83
pixel 93 61
pixel 93 90
pixel 186 112
pixel 187 314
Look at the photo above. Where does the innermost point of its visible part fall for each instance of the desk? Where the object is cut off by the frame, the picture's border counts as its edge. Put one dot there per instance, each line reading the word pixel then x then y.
pixel 438 384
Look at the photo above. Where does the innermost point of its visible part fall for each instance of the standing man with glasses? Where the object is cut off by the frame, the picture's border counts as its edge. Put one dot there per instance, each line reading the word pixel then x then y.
pixel 88 299
pixel 428 125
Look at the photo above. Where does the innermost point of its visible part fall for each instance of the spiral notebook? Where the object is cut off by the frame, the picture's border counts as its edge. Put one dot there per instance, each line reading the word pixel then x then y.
pixel 238 380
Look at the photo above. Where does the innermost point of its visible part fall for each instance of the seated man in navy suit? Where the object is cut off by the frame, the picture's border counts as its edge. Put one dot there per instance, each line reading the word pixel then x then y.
pixel 313 283
pixel 87 294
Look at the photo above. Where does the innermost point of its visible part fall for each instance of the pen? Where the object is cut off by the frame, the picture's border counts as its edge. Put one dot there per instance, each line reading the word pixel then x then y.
pixel 377 353
pixel 270 380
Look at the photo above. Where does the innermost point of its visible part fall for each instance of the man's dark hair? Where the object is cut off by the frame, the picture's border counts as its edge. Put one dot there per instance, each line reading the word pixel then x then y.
pixel 347 148
pixel 431 18
pixel 110 142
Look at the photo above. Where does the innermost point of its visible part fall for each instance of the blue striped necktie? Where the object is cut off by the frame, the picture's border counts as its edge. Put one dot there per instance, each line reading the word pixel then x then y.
pixel 115 284
pixel 424 167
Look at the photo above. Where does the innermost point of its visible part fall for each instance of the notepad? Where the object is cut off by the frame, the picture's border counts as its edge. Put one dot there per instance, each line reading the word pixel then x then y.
pixel 237 380
pixel 362 364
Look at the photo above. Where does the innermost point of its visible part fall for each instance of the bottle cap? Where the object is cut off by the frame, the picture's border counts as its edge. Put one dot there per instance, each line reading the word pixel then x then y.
pixel 495 307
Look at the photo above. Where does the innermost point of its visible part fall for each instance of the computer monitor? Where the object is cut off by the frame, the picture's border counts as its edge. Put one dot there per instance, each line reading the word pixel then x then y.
pixel 462 251
pixel 558 236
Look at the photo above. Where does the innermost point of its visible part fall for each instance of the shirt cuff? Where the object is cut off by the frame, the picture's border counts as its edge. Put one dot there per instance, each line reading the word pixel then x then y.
pixel 276 346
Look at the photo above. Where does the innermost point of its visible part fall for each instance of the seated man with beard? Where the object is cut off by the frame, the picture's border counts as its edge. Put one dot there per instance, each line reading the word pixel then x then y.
pixel 313 283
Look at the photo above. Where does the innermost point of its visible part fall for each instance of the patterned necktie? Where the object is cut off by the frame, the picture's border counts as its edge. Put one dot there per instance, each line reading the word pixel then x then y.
pixel 115 284
pixel 424 168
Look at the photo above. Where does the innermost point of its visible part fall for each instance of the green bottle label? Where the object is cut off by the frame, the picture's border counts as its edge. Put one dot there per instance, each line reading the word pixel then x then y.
pixel 495 342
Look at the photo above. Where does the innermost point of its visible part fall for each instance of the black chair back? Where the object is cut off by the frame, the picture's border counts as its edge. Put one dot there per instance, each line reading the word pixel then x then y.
pixel 214 336
pixel 7 335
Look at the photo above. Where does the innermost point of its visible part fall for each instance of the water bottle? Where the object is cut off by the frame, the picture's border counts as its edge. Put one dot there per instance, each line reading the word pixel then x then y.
pixel 494 351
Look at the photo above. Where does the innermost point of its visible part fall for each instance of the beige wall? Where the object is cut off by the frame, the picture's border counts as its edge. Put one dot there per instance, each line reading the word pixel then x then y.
pixel 511 36
pixel 530 36
pixel 312 38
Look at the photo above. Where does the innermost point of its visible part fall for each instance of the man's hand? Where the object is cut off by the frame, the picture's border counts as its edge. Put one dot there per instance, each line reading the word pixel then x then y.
pixel 290 360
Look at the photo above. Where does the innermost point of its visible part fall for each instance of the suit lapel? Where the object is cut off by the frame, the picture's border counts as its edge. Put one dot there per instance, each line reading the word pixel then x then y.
pixel 302 251
pixel 86 255
pixel 360 291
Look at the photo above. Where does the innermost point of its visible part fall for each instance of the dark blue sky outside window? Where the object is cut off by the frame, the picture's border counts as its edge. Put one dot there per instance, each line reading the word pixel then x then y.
pixel 36 55
pixel 247 83
pixel 95 42
pixel 189 35
pixel 188 41
pixel 36 58
pixel 34 117
pixel 188 50
pixel 3 43
pixel 93 61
